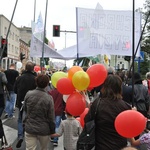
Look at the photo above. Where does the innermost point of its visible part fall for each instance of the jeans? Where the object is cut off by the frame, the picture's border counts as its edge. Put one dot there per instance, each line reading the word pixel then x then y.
pixel 20 124
pixel 9 108
pixel 57 122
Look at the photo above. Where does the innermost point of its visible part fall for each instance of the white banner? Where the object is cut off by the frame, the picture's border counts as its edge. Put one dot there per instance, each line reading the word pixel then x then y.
pixel 106 32
pixel 37 47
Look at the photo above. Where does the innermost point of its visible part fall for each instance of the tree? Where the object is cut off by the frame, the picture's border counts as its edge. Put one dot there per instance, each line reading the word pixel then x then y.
pixel 145 44
pixel 82 61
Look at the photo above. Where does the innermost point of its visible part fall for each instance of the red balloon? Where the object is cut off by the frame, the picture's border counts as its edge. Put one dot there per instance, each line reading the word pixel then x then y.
pixel 90 88
pixel 97 74
pixel 79 119
pixel 37 68
pixel 83 115
pixel 65 86
pixel 75 104
pixel 130 123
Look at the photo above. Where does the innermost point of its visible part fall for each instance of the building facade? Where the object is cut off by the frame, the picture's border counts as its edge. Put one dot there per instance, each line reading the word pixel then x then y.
pixel 13 50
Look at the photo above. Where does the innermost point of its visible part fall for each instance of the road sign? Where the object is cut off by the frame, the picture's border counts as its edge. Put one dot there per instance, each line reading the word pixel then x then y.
pixel 141 58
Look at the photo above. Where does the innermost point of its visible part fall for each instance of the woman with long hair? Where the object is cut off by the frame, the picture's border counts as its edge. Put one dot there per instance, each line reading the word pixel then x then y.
pixel 111 104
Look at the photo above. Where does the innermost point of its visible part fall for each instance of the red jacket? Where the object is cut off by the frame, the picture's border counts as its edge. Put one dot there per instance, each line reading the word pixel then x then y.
pixel 58 102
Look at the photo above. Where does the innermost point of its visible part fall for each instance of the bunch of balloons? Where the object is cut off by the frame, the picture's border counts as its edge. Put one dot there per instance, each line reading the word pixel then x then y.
pixel 76 81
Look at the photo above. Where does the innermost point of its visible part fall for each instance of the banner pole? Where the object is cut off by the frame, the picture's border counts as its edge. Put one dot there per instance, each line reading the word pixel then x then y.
pixel 42 61
pixel 133 56
pixel 77 36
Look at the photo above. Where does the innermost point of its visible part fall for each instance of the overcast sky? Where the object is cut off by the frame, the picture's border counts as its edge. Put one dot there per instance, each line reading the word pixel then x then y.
pixel 61 12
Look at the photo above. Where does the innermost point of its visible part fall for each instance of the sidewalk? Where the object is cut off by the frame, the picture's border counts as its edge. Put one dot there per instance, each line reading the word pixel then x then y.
pixel 10 129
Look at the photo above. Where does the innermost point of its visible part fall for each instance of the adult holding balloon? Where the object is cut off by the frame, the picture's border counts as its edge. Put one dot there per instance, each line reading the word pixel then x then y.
pixel 111 104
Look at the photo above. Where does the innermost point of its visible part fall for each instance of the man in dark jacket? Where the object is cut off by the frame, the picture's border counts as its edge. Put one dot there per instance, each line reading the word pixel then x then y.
pixel 23 84
pixel 11 75
pixel 126 90
pixel 141 96
pixel 3 81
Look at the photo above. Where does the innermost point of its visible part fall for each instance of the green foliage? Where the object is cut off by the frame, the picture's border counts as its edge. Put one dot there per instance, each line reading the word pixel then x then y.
pixel 145 44
pixel 82 62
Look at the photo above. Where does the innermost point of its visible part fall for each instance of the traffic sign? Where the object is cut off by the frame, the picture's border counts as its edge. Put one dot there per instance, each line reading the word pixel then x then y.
pixel 140 58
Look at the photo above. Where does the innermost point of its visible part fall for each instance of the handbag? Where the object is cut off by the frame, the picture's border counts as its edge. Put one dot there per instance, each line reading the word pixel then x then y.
pixel 86 140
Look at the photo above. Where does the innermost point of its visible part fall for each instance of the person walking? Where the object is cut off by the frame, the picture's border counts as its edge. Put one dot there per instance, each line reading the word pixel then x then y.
pixel 39 121
pixel 146 82
pixel 3 82
pixel 11 75
pixel 59 106
pixel 70 129
pixel 141 96
pixel 110 106
pixel 126 90
pixel 23 84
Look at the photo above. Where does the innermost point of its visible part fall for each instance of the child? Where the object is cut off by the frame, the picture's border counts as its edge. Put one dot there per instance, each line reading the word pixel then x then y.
pixel 144 139
pixel 71 129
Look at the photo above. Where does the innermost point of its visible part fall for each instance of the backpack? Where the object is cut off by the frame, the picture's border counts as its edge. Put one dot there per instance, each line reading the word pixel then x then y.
pixel 86 139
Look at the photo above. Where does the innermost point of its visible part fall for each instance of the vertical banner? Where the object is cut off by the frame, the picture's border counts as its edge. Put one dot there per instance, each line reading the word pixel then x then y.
pixel 106 32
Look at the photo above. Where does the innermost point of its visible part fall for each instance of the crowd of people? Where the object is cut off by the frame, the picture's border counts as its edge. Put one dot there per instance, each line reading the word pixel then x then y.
pixel 41 109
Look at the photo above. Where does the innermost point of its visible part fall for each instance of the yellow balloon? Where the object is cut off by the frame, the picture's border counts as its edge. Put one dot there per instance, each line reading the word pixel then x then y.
pixel 81 80
pixel 56 76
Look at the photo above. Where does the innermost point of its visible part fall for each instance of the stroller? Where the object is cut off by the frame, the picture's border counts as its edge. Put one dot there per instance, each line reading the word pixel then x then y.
pixel 3 141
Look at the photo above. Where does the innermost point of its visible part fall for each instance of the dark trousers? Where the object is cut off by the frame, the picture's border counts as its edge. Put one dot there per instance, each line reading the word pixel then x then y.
pixel 2 104
pixel 1 129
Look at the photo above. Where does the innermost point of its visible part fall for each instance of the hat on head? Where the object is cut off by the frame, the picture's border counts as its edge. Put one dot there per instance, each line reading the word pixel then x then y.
pixel 137 77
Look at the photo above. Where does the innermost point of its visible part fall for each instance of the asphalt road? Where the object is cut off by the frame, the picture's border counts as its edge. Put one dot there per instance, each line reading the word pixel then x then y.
pixel 10 129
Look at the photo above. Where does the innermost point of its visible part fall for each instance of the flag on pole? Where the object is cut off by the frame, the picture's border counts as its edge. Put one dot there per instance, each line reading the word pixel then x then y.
pixel 39 28
pixel 37 33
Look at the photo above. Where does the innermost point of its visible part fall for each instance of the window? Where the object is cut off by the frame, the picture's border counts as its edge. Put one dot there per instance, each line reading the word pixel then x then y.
pixel 5 30
pixel 12 49
pixel 13 36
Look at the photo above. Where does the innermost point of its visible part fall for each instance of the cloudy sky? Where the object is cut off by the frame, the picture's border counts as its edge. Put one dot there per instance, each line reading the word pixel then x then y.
pixel 61 12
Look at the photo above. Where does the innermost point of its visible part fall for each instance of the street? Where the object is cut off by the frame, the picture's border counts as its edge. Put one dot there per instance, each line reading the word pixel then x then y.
pixel 10 129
